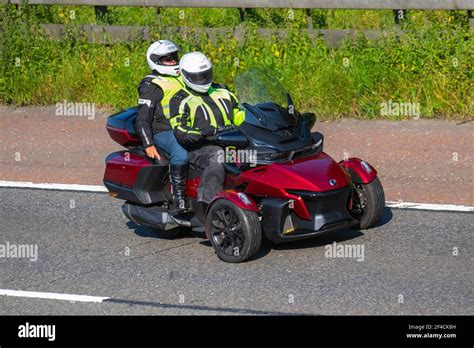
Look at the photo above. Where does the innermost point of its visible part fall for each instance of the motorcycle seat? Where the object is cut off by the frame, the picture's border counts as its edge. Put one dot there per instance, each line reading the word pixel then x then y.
pixel 164 160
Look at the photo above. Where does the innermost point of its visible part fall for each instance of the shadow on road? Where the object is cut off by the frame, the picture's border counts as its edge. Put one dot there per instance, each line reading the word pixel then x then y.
pixel 150 232
pixel 318 241
pixel 386 217
pixel 327 238
pixel 261 253
pixel 267 246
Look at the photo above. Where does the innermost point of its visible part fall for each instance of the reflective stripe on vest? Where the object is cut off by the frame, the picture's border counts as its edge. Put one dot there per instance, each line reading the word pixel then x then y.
pixel 219 96
pixel 195 102
pixel 170 86
pixel 175 121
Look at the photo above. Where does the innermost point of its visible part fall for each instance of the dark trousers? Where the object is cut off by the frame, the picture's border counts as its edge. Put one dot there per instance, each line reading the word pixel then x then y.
pixel 205 162
pixel 166 141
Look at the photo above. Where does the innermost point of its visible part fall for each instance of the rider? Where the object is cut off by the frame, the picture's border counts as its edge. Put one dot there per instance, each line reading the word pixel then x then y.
pixel 196 113
pixel 153 122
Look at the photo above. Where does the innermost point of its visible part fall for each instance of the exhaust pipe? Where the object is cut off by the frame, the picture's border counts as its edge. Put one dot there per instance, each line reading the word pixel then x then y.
pixel 149 216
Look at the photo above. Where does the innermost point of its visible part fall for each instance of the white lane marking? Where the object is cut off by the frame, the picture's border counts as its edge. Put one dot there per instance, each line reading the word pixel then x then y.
pixel 69 187
pixel 428 206
pixel 98 188
pixel 52 296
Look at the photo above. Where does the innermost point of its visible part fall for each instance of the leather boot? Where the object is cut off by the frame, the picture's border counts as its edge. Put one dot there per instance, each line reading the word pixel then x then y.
pixel 178 178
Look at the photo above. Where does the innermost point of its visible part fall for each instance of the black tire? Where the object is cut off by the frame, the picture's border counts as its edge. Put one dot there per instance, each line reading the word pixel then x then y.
pixel 235 233
pixel 372 211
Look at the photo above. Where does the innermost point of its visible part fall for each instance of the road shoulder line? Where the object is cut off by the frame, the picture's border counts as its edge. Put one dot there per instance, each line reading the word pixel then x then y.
pixel 52 296
pixel 100 188
pixel 47 186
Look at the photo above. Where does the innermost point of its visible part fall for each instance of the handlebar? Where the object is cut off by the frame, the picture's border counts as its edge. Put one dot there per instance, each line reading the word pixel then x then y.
pixel 221 129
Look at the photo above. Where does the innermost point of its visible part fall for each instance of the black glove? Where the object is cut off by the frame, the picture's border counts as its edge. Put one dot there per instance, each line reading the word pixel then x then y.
pixel 209 131
pixel 225 128
pixel 187 140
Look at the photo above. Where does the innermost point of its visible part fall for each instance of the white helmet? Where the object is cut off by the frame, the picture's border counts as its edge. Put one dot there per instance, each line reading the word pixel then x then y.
pixel 163 49
pixel 196 70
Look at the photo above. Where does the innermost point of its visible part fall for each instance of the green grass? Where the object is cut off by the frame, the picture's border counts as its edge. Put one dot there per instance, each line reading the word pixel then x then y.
pixel 431 64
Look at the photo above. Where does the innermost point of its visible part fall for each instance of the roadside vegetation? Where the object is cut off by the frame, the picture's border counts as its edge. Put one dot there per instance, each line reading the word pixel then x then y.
pixel 430 65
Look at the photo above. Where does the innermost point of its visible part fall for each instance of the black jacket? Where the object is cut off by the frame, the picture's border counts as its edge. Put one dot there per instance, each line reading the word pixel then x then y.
pixel 188 128
pixel 150 119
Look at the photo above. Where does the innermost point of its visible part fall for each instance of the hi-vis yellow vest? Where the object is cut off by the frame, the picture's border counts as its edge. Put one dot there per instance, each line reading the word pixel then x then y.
pixel 170 86
pixel 218 95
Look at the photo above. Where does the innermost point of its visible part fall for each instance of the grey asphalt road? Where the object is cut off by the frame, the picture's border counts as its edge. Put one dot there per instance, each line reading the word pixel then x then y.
pixel 415 262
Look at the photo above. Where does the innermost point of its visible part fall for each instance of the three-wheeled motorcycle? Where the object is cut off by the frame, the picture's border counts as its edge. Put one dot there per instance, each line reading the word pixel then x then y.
pixel 279 182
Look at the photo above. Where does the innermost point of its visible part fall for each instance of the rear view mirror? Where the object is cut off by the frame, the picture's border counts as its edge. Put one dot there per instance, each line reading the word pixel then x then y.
pixel 310 117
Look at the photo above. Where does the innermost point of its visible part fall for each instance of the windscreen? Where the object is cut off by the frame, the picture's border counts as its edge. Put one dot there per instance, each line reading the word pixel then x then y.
pixel 259 85
pixel 261 89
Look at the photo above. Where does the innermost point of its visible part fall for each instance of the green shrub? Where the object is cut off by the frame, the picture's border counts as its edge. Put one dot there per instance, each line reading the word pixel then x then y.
pixel 431 64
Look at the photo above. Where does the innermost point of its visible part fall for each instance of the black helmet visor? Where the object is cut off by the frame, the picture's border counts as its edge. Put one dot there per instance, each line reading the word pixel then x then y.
pixel 201 78
pixel 162 60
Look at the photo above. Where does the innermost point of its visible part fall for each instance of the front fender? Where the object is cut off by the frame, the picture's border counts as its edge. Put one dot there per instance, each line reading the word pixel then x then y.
pixel 240 199
pixel 361 172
